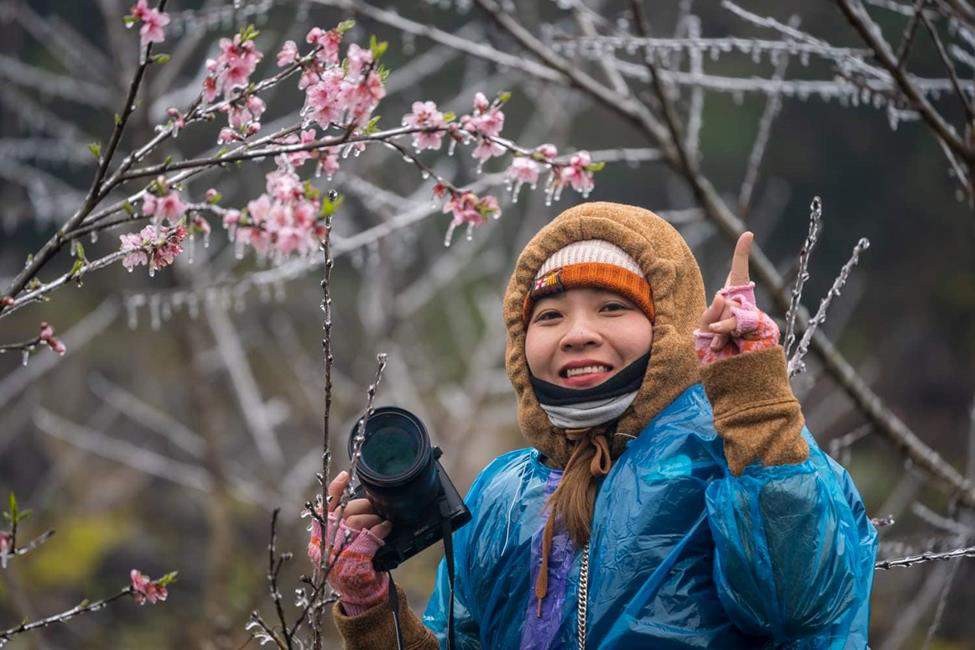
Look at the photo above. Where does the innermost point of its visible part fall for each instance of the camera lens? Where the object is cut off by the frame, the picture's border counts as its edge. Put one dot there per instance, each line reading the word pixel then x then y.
pixel 389 451
pixel 397 467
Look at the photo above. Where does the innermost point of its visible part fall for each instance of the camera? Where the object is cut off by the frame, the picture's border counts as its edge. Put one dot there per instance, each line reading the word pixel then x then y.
pixel 400 473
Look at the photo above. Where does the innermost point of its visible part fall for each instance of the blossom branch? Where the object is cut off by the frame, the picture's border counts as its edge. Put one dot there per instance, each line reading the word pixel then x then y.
pixel 54 244
pixel 81 608
pixel 815 226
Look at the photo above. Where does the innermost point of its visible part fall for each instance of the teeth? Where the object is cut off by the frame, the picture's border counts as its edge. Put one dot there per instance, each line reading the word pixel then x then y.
pixel 572 372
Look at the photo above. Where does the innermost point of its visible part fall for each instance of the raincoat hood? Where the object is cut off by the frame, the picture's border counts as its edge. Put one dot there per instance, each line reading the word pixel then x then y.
pixel 678 297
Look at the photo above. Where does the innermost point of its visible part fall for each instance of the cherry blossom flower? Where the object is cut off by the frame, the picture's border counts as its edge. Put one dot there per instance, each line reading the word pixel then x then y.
pixel 153 21
pixel 578 173
pixel 471 209
pixel 168 206
pixel 281 222
pixel 486 122
pixel 156 246
pixel 359 58
pixel 144 589
pixel 328 41
pixel 47 336
pixel 232 68
pixel 548 152
pixel 288 54
pixel 425 116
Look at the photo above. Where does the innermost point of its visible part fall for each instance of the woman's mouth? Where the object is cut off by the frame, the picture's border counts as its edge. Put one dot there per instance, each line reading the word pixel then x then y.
pixel 585 376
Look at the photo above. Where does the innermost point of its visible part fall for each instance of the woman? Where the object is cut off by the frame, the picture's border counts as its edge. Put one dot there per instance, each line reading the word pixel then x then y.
pixel 672 496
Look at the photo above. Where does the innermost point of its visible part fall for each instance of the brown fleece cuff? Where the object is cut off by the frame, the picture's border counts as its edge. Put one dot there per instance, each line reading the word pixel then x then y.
pixel 374 628
pixel 755 411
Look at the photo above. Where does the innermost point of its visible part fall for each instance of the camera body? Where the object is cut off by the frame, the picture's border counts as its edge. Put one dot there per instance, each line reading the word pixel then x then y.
pixel 401 475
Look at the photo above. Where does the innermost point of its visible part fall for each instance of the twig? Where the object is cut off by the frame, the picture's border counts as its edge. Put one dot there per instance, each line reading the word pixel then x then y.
pixel 796 364
pixel 815 226
pixel 911 560
pixel 81 608
pixel 273 569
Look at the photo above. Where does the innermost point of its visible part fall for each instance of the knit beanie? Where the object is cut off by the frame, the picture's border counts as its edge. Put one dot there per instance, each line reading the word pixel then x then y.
pixel 591 263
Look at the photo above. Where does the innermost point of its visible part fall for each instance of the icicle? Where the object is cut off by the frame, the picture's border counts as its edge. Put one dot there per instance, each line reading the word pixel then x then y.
pixel 469 235
pixel 94 236
pixel 279 292
pixel 167 309
pixel 239 249
pixel 152 270
pixel 190 249
pixel 206 239
pixel 25 357
pixel 193 305
pixel 450 234
pixel 451 146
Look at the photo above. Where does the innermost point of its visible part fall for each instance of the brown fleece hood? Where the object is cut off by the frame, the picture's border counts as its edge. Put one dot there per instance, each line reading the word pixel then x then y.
pixel 678 298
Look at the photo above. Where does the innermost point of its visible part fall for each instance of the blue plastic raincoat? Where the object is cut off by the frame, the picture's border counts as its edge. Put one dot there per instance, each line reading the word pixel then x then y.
pixel 683 553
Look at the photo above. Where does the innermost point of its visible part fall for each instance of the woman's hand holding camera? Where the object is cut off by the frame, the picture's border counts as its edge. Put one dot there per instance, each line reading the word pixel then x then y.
pixel 360 534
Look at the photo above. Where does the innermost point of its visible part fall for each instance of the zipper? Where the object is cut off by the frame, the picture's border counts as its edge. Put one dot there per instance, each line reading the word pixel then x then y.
pixel 583 597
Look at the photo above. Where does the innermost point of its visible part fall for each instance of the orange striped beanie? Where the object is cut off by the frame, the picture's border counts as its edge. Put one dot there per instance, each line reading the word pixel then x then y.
pixel 591 263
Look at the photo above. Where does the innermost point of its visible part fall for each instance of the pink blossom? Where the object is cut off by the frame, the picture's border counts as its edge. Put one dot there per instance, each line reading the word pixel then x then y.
pixel 144 589
pixel 523 170
pixel 298 158
pixel 227 135
pixel 153 21
pixel 212 195
pixel 577 173
pixel 329 41
pixel 155 246
pixel 425 116
pixel 169 206
pixel 487 149
pixel 486 121
pixel 471 209
pixel 359 58
pixel 323 99
pixel 547 151
pixel 329 163
pixel 288 54
pixel 47 336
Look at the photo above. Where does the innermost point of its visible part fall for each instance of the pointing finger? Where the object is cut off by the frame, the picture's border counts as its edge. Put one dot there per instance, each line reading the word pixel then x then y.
pixel 335 489
pixel 713 312
pixel 739 261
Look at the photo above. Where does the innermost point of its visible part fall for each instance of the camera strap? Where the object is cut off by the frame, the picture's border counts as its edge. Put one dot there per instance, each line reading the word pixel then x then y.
pixel 448 550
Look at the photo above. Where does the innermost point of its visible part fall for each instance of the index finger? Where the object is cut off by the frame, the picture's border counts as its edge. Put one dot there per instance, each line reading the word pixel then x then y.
pixel 335 489
pixel 739 261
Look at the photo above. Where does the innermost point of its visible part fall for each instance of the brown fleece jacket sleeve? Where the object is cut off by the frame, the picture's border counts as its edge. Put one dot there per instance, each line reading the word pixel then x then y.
pixel 374 629
pixel 755 411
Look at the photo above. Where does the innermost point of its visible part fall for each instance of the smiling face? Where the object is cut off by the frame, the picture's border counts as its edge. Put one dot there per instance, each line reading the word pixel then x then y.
pixel 581 337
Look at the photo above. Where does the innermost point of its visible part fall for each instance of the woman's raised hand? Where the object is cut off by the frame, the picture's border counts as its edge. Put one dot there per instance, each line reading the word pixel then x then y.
pixel 733 317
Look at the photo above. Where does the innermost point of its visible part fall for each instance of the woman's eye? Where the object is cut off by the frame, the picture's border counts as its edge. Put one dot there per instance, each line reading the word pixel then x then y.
pixel 614 306
pixel 545 315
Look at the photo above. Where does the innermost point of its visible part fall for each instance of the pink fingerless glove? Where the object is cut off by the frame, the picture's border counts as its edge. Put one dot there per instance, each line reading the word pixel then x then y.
pixel 352 575
pixel 754 330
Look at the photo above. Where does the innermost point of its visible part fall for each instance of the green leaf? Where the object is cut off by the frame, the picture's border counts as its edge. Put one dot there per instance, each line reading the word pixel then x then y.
pixel 345 26
pixel 118 120
pixel 213 200
pixel 128 20
pixel 76 269
pixel 504 96
pixel 13 505
pixel 167 579
pixel 377 47
pixel 383 72
pixel 449 116
pixel 329 206
pixel 595 167
pixel 95 149
pixel 311 192
pixel 128 207
pixel 161 58
pixel 371 125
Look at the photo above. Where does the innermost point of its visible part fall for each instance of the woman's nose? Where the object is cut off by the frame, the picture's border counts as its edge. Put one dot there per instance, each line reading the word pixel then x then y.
pixel 579 335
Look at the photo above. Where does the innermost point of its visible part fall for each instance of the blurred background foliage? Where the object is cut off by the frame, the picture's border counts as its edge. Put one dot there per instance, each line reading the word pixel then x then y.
pixel 92 441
